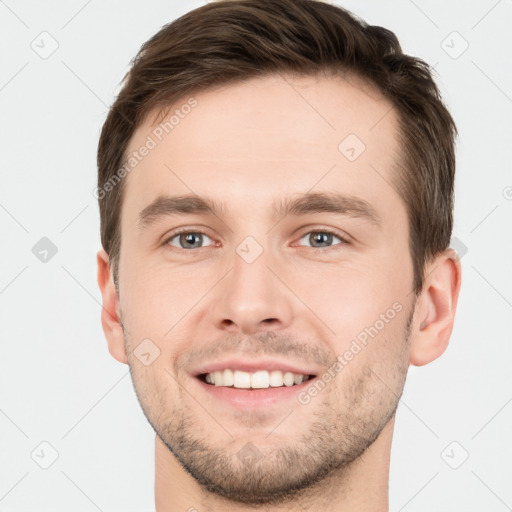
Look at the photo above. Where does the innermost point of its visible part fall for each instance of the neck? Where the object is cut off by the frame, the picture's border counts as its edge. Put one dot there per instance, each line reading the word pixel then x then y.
pixel 360 486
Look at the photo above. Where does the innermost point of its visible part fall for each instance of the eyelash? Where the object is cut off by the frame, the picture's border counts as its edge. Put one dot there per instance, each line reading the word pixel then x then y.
pixel 198 232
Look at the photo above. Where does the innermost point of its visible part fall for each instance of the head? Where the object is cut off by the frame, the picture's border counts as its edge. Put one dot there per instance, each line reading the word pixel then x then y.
pixel 275 181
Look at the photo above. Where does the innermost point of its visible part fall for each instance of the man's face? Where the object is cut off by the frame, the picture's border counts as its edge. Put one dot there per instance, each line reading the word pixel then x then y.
pixel 246 283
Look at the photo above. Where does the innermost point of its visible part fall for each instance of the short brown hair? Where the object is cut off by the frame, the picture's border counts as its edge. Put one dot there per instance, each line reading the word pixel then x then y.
pixel 225 42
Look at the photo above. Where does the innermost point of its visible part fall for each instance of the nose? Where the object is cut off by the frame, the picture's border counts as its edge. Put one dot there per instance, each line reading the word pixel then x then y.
pixel 252 298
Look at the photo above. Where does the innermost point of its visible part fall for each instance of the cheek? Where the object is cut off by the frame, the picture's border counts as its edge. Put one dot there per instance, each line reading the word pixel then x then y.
pixel 349 296
pixel 374 362
pixel 159 304
pixel 366 310
pixel 154 299
pixel 152 386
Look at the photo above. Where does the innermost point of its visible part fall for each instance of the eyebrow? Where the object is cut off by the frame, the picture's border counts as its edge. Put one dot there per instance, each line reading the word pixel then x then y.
pixel 308 203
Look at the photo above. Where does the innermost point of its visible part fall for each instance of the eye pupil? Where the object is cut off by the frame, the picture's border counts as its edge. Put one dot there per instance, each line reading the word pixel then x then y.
pixel 321 238
pixel 189 238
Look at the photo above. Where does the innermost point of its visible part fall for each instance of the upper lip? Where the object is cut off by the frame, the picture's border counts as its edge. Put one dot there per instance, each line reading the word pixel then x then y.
pixel 253 365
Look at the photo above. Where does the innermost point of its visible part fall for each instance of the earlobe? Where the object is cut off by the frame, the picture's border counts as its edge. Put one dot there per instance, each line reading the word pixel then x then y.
pixel 110 319
pixel 436 309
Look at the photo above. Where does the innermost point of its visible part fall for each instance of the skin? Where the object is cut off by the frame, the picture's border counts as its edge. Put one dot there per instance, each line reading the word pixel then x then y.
pixel 248 144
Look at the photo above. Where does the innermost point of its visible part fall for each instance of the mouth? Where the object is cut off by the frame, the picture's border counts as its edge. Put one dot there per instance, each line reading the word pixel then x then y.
pixel 244 381
pixel 254 383
pixel 267 398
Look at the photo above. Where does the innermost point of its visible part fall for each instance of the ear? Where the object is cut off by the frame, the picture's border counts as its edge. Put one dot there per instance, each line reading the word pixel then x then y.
pixel 110 318
pixel 436 308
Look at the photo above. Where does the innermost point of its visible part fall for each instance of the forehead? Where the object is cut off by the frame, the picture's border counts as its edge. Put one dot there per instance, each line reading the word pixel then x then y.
pixel 267 137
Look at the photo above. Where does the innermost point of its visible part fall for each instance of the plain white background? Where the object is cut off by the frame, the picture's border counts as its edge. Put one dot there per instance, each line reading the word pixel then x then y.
pixel 59 386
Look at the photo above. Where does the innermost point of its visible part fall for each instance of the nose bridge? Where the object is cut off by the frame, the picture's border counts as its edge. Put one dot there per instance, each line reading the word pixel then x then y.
pixel 252 298
pixel 250 267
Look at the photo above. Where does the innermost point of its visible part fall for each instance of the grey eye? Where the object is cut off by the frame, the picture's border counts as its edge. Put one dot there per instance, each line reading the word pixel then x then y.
pixel 320 239
pixel 188 240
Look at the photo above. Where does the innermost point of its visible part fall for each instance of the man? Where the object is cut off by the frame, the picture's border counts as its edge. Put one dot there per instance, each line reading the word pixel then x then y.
pixel 276 194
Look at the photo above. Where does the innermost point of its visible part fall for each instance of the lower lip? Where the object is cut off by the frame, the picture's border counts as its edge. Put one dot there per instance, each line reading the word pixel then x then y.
pixel 265 397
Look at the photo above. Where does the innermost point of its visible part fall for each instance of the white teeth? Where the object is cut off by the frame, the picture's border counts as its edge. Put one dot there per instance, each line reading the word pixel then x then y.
pixel 227 378
pixel 297 379
pixel 240 380
pixel 258 380
pixel 217 377
pixel 288 379
pixel 276 378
